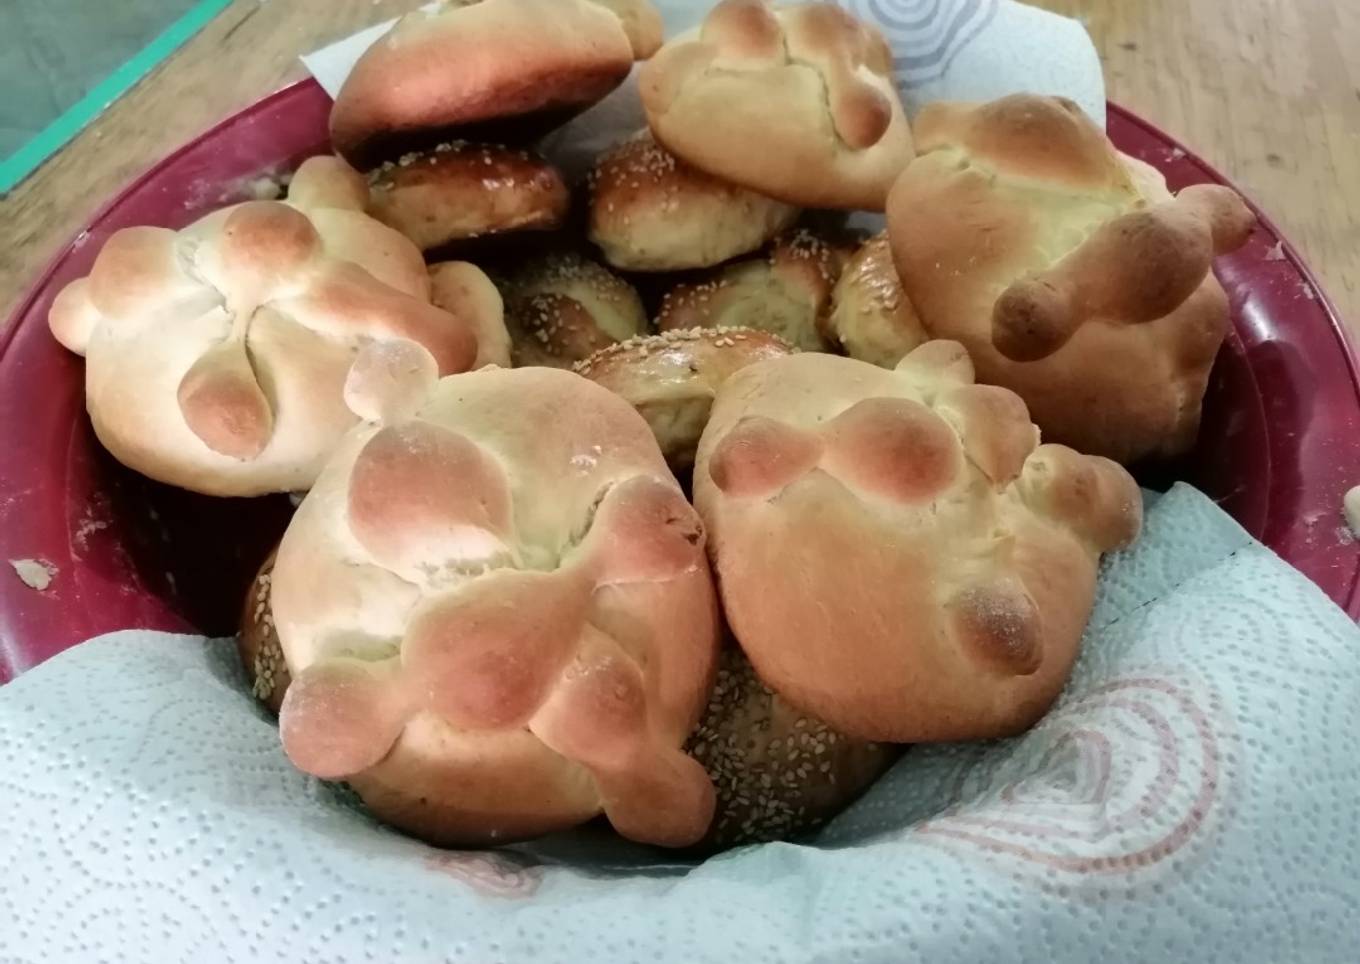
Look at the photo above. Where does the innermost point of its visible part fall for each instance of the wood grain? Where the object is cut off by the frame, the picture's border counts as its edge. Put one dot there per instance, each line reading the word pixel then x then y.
pixel 1262 89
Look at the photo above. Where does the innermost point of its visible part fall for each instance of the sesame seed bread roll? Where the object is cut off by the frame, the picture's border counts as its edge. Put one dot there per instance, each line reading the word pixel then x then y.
pixel 561 307
pixel 650 211
pixel 258 641
pixel 461 192
pixel 787 292
pixel 779 773
pixel 672 378
pixel 871 318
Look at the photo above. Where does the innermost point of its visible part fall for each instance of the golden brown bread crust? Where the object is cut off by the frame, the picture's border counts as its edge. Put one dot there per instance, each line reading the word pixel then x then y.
pixel 786 292
pixel 258 641
pixel 1093 297
pixel 650 211
pixel 896 553
pixel 459 191
pixel 808 85
pixel 871 318
pixel 522 66
pixel 217 356
pixel 671 378
pixel 779 773
pixel 560 308
pixel 499 619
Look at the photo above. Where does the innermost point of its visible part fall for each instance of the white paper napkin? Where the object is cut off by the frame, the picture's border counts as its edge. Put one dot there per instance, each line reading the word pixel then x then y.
pixel 1192 797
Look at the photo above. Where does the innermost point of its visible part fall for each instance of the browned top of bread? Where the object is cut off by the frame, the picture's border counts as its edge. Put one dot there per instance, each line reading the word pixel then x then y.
pixel 795 102
pixel 510 65
pixel 459 190
pixel 1093 296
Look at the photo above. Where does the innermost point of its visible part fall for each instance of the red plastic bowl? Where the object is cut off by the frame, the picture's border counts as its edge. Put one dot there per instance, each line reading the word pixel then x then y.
pixel 1278 448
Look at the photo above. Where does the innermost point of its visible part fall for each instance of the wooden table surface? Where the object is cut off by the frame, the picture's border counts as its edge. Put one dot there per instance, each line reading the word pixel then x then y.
pixel 1260 88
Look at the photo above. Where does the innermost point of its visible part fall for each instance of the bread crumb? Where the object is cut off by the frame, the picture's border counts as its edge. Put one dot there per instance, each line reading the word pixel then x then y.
pixel 1276 253
pixel 34 573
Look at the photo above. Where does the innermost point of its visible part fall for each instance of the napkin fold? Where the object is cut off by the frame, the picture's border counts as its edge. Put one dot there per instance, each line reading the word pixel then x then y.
pixel 1194 789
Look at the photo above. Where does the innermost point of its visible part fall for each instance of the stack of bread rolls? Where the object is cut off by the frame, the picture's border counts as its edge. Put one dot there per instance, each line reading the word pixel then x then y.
pixel 671 500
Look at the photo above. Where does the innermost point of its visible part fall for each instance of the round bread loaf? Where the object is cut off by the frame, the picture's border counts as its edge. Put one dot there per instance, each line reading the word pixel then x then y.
pixel 650 211
pixel 671 378
pixel 871 318
pixel 897 554
pixel 499 619
pixel 560 308
pixel 217 356
pixel 795 102
pixel 787 292
pixel 487 70
pixel 779 773
pixel 459 191
pixel 1094 297
pixel 258 641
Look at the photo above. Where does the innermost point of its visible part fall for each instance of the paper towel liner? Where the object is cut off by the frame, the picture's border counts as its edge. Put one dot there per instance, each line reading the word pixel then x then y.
pixel 1191 797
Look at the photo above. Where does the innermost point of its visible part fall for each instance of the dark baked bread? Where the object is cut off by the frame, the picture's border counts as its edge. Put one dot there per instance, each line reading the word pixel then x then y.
pixel 258 642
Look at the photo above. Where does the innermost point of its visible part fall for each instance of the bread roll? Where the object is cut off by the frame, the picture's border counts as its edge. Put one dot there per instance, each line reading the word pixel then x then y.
pixel 217 357
pixel 258 642
pixel 487 70
pixel 795 102
pixel 871 318
pixel 787 292
pixel 1093 297
pixel 671 378
pixel 561 307
pixel 779 773
pixel 460 191
pixel 897 554
pixel 650 211
pixel 499 619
